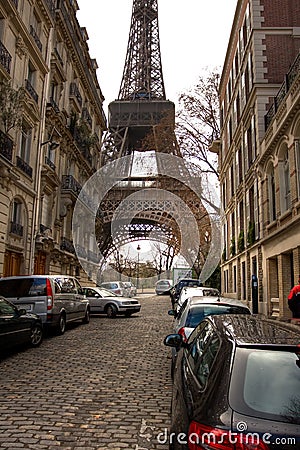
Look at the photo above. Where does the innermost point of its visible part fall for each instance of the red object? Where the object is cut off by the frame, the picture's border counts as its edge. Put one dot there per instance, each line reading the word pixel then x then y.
pixel 203 437
pixel 181 331
pixel 49 294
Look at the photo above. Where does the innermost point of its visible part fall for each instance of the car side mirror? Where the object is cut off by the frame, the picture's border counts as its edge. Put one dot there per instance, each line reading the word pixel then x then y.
pixel 171 312
pixel 174 340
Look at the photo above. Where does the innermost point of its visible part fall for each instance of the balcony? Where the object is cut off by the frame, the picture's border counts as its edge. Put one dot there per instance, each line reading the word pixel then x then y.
pixel 284 89
pixel 24 166
pixel 31 91
pixel 6 146
pixel 74 92
pixel 36 38
pixel 5 57
pixel 70 184
pixel 49 163
pixel 16 228
pixel 67 245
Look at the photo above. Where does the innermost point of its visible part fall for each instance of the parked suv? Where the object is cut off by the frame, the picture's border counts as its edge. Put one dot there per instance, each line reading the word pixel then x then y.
pixel 56 299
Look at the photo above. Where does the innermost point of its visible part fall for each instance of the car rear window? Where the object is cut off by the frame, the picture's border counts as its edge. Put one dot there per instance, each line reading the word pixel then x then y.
pixel 23 287
pixel 195 315
pixel 266 384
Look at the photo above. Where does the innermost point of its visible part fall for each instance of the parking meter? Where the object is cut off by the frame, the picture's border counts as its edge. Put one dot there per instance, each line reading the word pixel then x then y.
pixel 254 288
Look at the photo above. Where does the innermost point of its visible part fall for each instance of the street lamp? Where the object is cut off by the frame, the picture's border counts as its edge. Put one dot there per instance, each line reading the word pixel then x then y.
pixel 137 267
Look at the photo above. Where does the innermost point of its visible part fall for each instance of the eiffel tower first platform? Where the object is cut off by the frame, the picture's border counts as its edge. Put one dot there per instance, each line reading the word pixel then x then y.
pixel 162 200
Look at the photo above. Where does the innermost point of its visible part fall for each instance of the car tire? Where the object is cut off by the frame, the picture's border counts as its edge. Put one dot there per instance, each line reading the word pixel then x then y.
pixel 36 335
pixel 62 324
pixel 86 318
pixel 111 311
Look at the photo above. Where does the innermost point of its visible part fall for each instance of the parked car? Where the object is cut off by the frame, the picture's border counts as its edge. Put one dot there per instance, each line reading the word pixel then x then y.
pixel 237 377
pixel 194 291
pixel 117 287
pixel 195 309
pixel 18 326
pixel 175 291
pixel 131 288
pixel 103 301
pixel 56 299
pixel 163 286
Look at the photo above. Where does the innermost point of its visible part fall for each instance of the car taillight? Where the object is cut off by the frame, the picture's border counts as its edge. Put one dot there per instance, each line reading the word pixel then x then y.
pixel 49 294
pixel 182 333
pixel 209 438
pixel 118 291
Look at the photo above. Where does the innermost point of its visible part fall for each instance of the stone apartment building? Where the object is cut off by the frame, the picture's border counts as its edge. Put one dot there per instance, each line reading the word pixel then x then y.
pixel 259 155
pixel 45 161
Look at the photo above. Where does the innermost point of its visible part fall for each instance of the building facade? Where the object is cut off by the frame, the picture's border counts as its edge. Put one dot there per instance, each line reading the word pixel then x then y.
pixel 46 157
pixel 258 155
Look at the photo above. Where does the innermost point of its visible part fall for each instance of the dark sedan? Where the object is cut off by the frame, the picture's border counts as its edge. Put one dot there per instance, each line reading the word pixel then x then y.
pixel 18 327
pixel 237 385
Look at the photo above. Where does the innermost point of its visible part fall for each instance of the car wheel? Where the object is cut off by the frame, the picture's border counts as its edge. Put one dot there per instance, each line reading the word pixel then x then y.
pixel 62 324
pixel 86 318
pixel 111 311
pixel 36 335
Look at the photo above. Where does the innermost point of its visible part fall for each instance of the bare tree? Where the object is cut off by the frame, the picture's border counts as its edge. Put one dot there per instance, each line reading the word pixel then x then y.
pixel 198 121
pixel 11 105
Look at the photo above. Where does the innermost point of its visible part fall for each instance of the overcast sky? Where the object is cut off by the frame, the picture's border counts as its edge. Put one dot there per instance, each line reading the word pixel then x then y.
pixel 194 35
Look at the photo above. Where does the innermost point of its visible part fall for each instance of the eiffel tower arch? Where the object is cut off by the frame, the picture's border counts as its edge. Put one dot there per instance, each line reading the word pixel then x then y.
pixel 155 194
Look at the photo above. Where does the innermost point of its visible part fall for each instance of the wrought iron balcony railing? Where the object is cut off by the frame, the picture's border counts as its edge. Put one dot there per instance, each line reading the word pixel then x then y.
pixel 69 183
pixel 6 146
pixel 67 245
pixel 24 166
pixel 5 57
pixel 284 89
pixel 74 92
pixel 16 228
pixel 32 92
pixel 49 163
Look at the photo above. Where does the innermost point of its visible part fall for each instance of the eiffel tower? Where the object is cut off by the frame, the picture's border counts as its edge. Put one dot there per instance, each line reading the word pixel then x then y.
pixel 141 132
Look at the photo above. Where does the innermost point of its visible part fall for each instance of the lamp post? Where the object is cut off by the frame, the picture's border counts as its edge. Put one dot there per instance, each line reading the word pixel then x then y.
pixel 137 267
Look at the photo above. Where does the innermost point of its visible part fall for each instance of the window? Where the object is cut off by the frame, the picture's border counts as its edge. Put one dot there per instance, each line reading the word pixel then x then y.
pixel 271 194
pixel 284 181
pixel 17 212
pixel 25 144
pixel 297 159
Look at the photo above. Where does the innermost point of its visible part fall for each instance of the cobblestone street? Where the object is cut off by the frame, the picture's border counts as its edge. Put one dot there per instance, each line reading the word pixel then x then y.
pixel 105 385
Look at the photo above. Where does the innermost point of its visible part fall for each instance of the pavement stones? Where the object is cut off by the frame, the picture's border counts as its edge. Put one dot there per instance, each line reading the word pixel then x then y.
pixel 105 385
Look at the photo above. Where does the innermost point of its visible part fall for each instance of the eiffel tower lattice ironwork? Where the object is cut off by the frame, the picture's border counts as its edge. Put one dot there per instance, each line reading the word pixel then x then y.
pixel 140 120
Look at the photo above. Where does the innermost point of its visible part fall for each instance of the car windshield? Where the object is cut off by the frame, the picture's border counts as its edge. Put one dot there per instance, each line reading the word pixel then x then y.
pixel 196 314
pixel 23 287
pixel 266 383
pixel 105 292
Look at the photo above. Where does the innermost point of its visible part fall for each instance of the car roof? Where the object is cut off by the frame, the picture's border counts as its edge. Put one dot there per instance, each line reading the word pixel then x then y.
pixel 214 299
pixel 248 330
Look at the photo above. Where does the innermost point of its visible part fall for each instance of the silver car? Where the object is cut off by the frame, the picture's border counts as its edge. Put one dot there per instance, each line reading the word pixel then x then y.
pixel 56 299
pixel 116 287
pixel 102 301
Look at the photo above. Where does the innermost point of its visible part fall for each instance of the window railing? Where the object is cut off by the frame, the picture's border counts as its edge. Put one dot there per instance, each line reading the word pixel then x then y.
pixel 16 228
pixel 32 92
pixel 5 57
pixel 74 92
pixel 67 245
pixel 49 163
pixel 69 183
pixel 24 166
pixel 6 146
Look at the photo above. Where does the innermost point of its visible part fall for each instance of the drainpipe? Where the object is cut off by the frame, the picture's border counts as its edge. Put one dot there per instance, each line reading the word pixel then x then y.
pixel 39 159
